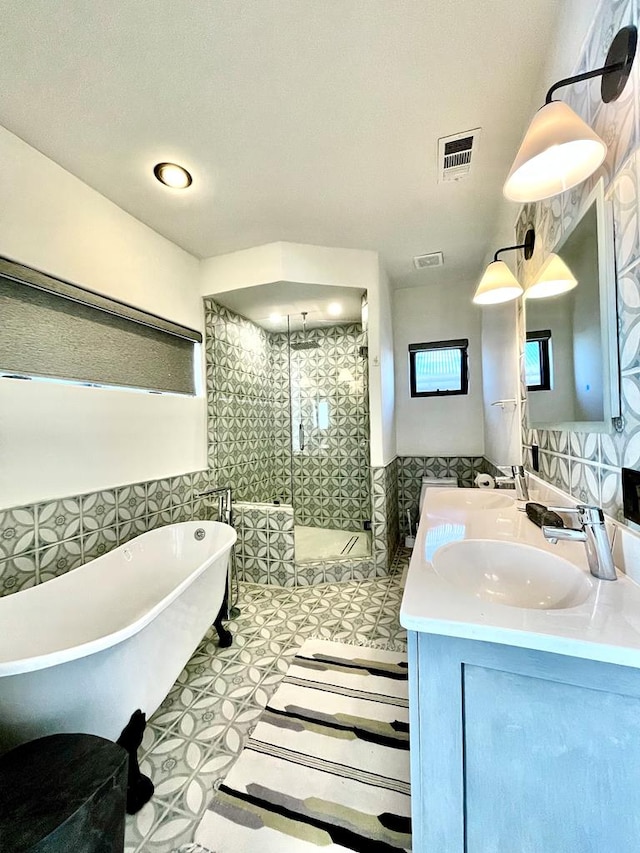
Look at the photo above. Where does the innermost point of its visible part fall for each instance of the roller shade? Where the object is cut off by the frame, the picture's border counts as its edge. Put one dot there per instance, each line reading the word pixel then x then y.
pixel 52 328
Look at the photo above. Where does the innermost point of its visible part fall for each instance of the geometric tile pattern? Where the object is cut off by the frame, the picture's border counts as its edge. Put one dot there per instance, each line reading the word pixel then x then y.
pixel 198 733
pixel 252 402
pixel 411 470
pixel 587 465
pixel 265 551
pixel 385 521
pixel 41 541
pixel 247 411
pixel 329 400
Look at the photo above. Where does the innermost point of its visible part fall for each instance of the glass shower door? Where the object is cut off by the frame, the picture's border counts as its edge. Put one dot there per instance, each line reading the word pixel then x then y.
pixel 330 447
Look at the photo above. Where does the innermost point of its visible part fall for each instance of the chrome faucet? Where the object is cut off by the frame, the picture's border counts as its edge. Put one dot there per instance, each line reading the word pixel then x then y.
pixel 594 535
pixel 519 480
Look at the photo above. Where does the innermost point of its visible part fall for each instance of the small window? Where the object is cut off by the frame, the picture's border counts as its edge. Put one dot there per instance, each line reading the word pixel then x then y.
pixel 537 361
pixel 439 368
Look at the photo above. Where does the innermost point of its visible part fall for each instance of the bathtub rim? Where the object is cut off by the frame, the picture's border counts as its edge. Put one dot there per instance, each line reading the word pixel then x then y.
pixel 18 666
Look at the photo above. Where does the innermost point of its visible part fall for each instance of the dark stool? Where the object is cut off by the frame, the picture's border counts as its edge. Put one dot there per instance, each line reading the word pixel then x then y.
pixel 64 793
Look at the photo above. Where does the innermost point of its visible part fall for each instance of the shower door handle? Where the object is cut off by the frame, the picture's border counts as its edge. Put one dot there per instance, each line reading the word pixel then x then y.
pixel 301 436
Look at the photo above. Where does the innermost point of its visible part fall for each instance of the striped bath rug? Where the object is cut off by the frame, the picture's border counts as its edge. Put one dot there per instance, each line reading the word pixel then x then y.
pixel 327 766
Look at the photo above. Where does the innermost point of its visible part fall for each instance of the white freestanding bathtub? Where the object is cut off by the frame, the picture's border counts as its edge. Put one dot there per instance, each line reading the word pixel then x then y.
pixel 82 652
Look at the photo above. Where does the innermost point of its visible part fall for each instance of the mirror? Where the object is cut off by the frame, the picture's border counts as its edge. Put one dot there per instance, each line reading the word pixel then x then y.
pixel 571 352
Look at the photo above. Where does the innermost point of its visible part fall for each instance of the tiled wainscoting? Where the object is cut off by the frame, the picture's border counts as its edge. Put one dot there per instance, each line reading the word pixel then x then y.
pixel 40 541
pixel 385 513
pixel 265 551
pixel 411 470
pixel 265 547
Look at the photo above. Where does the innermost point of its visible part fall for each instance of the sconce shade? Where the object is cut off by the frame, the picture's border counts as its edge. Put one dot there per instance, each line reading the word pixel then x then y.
pixel 498 284
pixel 554 278
pixel 558 151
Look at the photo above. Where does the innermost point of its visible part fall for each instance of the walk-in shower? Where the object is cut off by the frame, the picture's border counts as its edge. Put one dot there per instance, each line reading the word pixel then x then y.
pixel 289 412
pixel 329 441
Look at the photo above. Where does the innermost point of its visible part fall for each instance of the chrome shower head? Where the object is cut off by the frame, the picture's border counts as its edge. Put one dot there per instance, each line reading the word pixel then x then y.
pixel 305 343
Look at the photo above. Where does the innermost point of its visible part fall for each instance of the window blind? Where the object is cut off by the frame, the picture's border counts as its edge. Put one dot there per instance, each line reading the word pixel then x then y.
pixel 51 328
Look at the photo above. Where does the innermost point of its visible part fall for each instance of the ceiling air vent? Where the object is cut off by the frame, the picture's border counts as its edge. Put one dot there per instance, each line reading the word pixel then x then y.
pixel 455 154
pixel 423 262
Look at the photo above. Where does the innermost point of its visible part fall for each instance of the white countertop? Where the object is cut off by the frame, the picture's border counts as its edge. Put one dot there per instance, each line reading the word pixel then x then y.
pixel 606 627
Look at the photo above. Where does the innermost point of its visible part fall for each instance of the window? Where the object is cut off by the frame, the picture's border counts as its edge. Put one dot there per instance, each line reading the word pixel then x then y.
pixel 439 368
pixel 537 361
pixel 53 329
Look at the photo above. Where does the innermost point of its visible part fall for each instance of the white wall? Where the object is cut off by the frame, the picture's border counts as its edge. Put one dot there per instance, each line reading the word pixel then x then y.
pixel 304 263
pixel 58 440
pixel 382 395
pixel 500 382
pixel 437 426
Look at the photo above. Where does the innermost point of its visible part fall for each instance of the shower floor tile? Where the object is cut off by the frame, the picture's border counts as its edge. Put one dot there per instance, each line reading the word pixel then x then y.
pixel 319 543
pixel 199 731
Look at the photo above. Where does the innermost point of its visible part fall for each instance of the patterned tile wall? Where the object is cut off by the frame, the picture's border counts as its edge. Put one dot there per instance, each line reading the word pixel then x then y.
pixel 41 541
pixel 265 546
pixel 249 448
pixel 249 418
pixel 385 523
pixel 329 397
pixel 265 551
pixel 248 435
pixel 587 465
pixel 411 470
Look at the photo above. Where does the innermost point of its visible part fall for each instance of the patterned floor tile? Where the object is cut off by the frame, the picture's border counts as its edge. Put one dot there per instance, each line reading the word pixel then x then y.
pixel 194 738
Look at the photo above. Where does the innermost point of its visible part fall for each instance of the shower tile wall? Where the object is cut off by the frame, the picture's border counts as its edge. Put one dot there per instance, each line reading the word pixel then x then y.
pixel 248 410
pixel 588 465
pixel 331 477
pixel 249 427
pixel 249 419
pixel 41 541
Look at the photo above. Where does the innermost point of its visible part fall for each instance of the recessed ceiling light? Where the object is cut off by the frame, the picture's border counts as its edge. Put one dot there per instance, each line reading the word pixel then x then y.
pixel 335 309
pixel 275 318
pixel 172 175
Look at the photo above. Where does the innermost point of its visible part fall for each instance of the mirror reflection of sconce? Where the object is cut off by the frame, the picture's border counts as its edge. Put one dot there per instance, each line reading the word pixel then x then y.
pixel 559 149
pixel 498 284
pixel 554 278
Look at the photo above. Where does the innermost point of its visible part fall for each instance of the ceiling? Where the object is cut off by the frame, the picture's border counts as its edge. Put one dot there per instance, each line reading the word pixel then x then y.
pixel 290 299
pixel 311 121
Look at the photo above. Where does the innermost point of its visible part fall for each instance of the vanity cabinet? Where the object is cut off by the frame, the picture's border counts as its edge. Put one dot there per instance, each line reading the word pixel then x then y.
pixel 521 751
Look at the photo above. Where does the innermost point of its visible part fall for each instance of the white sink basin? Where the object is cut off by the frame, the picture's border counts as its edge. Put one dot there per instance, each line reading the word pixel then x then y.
pixel 445 500
pixel 511 574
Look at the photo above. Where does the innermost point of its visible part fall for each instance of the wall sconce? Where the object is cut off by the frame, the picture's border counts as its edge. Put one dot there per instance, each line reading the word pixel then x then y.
pixel 498 284
pixel 559 150
pixel 554 278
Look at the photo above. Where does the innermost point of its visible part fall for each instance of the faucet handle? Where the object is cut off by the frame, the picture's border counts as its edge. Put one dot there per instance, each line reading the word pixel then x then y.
pixel 590 514
pixel 586 514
